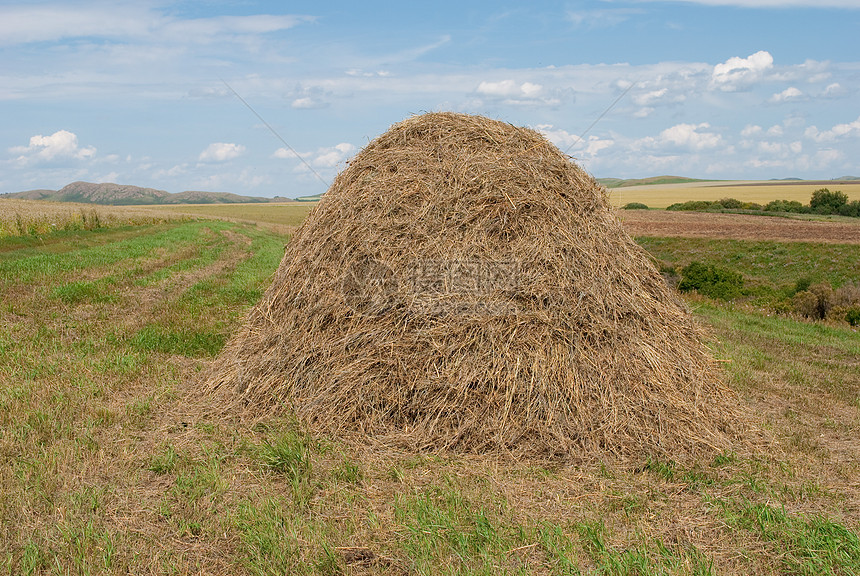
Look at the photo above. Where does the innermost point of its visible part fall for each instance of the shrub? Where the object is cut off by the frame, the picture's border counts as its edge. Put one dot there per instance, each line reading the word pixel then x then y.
pixel 852 316
pixel 784 206
pixel 691 205
pixel 824 293
pixel 711 280
pixel 815 302
pixel 635 206
pixel 847 295
pixel 805 303
pixel 824 201
pixel 731 203
pixel 802 284
pixel 850 209
pixel 751 206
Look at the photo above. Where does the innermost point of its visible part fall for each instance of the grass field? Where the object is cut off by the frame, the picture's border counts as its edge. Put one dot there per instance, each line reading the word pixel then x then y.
pixel 662 195
pixel 282 217
pixel 112 463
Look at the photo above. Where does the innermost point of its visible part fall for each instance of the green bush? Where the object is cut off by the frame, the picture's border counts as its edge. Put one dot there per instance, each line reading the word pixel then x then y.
pixel 731 203
pixel 785 206
pixel 751 206
pixel 635 206
pixel 824 201
pixel 850 209
pixel 853 316
pixel 802 284
pixel 691 205
pixel 711 280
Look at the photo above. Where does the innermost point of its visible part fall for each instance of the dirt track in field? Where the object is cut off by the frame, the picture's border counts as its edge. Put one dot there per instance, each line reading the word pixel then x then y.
pixel 737 226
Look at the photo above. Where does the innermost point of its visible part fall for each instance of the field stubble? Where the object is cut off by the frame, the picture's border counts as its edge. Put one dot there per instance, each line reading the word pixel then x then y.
pixel 111 462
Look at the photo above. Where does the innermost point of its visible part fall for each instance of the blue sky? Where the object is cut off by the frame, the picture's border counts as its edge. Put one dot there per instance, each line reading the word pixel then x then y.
pixel 135 93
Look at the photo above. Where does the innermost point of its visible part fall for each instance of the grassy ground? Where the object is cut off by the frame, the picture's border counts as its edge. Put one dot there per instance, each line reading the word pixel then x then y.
pixel 283 218
pixel 662 195
pixel 111 463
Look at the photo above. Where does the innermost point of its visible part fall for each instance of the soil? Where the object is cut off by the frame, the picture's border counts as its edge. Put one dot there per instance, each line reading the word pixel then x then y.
pixel 737 227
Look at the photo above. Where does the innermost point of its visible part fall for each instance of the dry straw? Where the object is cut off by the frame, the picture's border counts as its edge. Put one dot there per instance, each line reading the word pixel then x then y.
pixel 463 285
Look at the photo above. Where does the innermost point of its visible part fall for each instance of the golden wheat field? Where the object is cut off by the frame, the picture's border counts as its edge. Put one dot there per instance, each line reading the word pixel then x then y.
pixel 34 217
pixel 662 195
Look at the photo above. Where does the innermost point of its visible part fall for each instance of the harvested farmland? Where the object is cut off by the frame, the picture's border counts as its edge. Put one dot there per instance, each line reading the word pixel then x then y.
pixel 463 285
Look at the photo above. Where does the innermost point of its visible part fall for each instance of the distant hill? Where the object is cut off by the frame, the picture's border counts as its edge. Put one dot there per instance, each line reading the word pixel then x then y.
pixel 124 195
pixel 314 198
pixel 843 178
pixel 621 183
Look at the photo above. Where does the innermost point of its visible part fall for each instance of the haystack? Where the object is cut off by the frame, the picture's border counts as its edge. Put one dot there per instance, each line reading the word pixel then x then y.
pixel 464 285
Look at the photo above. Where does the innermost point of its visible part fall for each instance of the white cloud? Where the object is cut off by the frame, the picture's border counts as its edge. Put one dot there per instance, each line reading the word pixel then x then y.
pixel 737 73
pixel 568 142
pixel 57 21
pixel 61 145
pixel 326 157
pixel 839 131
pixel 775 130
pixel 790 93
pixel 834 90
pixel 221 152
pixel 750 130
pixel 510 89
pixel 331 157
pixel 650 97
pixel 306 102
pixel 688 136
pixel 308 97
pixel 284 154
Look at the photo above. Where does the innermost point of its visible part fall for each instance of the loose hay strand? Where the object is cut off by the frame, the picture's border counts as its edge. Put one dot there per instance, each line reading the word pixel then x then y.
pixel 463 285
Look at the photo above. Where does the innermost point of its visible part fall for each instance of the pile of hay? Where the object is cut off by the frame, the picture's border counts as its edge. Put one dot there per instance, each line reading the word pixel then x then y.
pixel 464 285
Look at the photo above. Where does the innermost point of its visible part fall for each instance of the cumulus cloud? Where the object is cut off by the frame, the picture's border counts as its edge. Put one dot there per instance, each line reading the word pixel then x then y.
pixel 834 90
pixel 326 157
pixel 61 145
pixel 737 73
pixel 306 98
pixel 775 130
pixel 689 136
pixel 509 89
pixel 331 157
pixel 649 98
pixel 751 130
pixel 851 129
pixel 790 93
pixel 221 152
pixel 566 141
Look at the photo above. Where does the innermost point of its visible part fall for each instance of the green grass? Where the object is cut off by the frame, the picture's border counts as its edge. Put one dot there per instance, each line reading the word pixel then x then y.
pixel 292 214
pixel 112 463
pixel 776 264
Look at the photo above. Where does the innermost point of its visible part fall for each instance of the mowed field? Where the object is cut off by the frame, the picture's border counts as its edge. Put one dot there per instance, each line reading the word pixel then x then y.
pixel 762 192
pixel 113 462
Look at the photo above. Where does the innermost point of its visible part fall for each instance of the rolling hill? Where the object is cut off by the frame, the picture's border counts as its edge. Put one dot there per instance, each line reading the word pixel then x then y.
pixel 622 183
pixel 125 195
